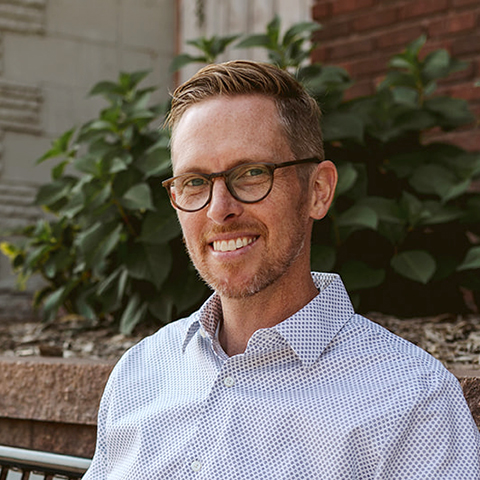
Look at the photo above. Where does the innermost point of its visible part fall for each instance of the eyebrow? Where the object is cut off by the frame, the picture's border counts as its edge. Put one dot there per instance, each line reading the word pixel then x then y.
pixel 236 163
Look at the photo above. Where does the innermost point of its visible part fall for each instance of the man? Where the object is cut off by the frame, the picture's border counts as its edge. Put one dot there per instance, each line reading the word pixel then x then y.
pixel 275 377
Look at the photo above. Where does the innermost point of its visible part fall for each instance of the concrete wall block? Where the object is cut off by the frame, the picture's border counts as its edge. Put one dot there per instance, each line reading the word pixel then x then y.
pixel 87 19
pixel 19 107
pixel 94 63
pixel 21 151
pixel 1 53
pixel 45 59
pixel 23 16
pixel 147 24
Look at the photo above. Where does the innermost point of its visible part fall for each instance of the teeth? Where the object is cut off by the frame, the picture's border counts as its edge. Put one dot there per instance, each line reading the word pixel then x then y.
pixel 231 245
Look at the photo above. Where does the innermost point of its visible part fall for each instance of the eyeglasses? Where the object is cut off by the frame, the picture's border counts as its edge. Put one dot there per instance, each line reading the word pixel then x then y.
pixel 247 183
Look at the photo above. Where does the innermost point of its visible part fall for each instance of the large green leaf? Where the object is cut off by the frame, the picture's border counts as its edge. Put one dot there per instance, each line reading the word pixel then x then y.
pixel 156 160
pixel 60 146
pixel 453 112
pixel 416 265
pixel 149 262
pixel 413 209
pixel 435 179
pixel 50 193
pixel 358 216
pixel 256 40
pixel 138 197
pixel 342 126
pixel 358 275
pixel 440 213
pixel 98 241
pixel 347 176
pixel 387 209
pixel 471 260
pixel 132 315
pixel 160 226
pixel 406 96
pixel 436 65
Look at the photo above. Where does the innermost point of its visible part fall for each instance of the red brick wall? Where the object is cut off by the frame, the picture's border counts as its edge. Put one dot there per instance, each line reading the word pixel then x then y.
pixel 361 36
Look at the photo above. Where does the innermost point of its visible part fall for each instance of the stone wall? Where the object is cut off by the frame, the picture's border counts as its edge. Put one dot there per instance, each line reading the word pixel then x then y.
pixel 51 404
pixel 362 35
pixel 51 54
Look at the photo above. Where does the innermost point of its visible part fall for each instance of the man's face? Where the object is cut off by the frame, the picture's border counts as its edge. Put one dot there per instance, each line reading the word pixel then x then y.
pixel 240 249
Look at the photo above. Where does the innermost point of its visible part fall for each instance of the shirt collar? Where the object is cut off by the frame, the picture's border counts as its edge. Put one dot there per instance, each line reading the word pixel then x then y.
pixel 311 329
pixel 308 331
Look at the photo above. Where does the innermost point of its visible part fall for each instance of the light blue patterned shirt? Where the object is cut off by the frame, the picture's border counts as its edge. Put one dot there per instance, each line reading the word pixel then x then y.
pixel 325 394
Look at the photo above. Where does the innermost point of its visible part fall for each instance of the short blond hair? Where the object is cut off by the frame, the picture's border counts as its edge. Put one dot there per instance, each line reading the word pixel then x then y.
pixel 298 111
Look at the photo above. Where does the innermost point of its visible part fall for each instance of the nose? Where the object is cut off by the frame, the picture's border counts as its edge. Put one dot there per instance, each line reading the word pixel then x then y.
pixel 223 207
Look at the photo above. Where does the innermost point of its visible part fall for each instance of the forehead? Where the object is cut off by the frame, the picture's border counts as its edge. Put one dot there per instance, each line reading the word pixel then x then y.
pixel 222 131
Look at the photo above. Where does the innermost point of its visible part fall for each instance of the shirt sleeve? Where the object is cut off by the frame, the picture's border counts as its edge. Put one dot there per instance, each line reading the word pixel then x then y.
pixel 436 439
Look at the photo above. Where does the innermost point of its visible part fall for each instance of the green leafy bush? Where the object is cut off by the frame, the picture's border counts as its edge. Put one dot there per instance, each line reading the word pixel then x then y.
pixel 403 230
pixel 113 250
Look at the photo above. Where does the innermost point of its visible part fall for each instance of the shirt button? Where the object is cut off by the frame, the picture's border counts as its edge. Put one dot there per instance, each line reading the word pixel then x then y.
pixel 196 466
pixel 203 333
pixel 228 381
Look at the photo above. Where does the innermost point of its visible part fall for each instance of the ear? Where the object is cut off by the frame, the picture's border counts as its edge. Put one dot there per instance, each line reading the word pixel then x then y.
pixel 323 183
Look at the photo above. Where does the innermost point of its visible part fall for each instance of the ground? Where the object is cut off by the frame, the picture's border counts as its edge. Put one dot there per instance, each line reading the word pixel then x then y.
pixel 454 340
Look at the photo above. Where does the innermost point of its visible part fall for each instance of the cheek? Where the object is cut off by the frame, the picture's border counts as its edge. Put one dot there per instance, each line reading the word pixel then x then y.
pixel 191 227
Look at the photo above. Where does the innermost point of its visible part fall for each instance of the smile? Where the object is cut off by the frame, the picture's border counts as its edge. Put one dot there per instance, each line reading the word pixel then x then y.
pixel 231 245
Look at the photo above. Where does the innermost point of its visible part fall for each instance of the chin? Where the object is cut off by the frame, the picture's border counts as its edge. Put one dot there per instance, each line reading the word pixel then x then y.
pixel 235 287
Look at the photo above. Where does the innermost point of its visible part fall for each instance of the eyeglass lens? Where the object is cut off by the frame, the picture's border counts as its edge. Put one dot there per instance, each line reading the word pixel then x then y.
pixel 247 183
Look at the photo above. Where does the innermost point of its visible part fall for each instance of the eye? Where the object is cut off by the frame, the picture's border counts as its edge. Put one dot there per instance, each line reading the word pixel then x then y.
pixel 194 182
pixel 254 172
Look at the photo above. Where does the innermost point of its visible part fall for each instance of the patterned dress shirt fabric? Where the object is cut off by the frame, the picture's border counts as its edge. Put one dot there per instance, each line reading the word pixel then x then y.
pixel 325 394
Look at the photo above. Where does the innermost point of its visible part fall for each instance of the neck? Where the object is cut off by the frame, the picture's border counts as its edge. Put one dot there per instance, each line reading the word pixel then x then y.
pixel 242 317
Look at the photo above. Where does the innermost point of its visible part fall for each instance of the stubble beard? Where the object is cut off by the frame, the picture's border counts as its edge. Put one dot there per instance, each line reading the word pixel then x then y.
pixel 274 265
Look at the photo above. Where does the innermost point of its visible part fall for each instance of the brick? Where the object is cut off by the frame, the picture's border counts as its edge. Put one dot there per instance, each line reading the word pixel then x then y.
pixel 436 44
pixel 467 139
pixel 360 89
pixel 463 3
pixel 467 91
pixel 466 45
pixel 422 7
pixel 375 20
pixel 400 37
pixel 319 54
pixel 452 24
pixel 461 76
pixel 321 10
pixel 334 30
pixel 345 6
pixel 368 67
pixel 350 48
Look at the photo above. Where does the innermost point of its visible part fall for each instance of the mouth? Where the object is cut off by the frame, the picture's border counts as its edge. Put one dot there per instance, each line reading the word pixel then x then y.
pixel 232 244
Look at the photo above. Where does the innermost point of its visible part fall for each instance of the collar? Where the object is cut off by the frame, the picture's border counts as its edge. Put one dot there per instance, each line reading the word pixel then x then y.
pixel 308 331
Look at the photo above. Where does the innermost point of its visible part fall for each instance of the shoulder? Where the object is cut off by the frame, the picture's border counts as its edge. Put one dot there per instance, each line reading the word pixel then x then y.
pixel 390 359
pixel 164 346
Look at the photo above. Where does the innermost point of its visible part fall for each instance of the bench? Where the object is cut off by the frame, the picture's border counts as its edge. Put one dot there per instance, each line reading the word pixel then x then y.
pixel 23 464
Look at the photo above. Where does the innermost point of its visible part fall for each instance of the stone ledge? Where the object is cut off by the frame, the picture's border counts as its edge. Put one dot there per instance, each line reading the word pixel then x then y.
pixel 52 390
